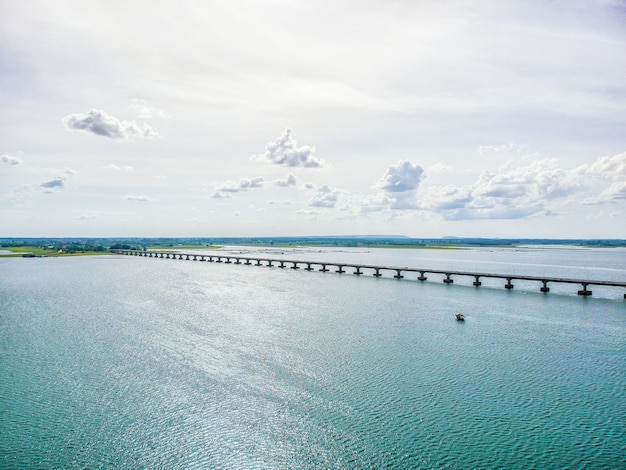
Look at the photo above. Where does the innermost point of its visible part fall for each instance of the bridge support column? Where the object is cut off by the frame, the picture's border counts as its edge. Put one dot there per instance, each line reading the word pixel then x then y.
pixel 398 274
pixel 308 267
pixel 447 280
pixel 282 264
pixel 258 262
pixel 248 262
pixel 237 261
pixel 508 284
pixel 340 269
pixel 358 271
pixel 228 261
pixel 377 273
pixel 421 277
pixel 295 265
pixel 584 290
pixel 323 268
pixel 545 287
pixel 269 263
pixel 477 281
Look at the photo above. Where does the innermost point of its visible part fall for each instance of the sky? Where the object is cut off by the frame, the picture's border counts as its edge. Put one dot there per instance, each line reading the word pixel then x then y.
pixel 253 118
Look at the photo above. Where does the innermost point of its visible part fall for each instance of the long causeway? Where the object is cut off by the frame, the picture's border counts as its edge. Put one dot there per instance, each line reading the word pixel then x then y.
pixel 359 269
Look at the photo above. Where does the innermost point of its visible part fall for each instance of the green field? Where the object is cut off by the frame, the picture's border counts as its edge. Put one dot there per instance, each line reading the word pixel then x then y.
pixel 21 251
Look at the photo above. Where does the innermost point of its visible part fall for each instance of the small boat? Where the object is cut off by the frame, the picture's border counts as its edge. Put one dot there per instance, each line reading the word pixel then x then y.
pixel 459 317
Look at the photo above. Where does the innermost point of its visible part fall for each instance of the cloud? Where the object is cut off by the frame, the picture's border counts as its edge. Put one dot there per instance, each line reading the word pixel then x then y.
pixel 376 203
pixel 440 168
pixel 58 182
pixel 115 167
pixel 307 212
pixel 243 184
pixel 145 111
pixel 86 217
pixel 325 197
pixel 506 149
pixel 512 192
pixel 100 123
pixel 401 177
pixel 290 180
pixel 142 198
pixel 284 151
pixel 10 160
pixel 613 168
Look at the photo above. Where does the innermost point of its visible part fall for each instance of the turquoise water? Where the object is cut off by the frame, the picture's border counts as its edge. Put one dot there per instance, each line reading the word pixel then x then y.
pixel 130 362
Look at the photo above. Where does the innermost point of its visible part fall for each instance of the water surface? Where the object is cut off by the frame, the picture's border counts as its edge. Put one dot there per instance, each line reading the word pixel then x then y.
pixel 131 362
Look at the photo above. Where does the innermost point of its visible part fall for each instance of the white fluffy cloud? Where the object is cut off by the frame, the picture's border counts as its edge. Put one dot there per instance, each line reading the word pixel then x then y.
pixel 401 177
pixel 611 169
pixel 290 180
pixel 11 160
pixel 100 123
pixel 243 184
pixel 325 197
pixel 284 151
pixel 511 192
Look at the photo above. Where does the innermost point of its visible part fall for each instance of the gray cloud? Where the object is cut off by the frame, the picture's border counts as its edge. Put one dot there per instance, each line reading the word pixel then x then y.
pixel 11 160
pixel 58 182
pixel 284 151
pixel 401 177
pixel 100 123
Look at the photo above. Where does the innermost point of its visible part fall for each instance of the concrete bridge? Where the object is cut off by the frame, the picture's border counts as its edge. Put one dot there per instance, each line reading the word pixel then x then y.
pixel 358 269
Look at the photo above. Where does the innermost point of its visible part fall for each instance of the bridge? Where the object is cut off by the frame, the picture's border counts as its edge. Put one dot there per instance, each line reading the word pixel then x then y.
pixel 359 269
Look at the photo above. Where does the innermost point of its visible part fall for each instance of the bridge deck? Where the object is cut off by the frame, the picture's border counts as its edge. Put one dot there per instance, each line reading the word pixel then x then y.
pixel 398 269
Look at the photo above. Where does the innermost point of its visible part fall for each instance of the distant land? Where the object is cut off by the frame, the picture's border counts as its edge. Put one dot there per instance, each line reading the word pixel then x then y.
pixel 78 245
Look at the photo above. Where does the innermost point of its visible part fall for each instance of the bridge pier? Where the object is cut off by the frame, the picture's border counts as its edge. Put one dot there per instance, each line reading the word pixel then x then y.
pixel 398 274
pixel 377 273
pixel 282 264
pixel 421 277
pixel 584 291
pixel 358 271
pixel 508 284
pixel 248 261
pixel 295 265
pixel 237 261
pixel 544 287
pixel 308 267
pixel 477 281
pixel 269 263
pixel 228 261
pixel 258 262
pixel 323 268
pixel 447 280
pixel 340 269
